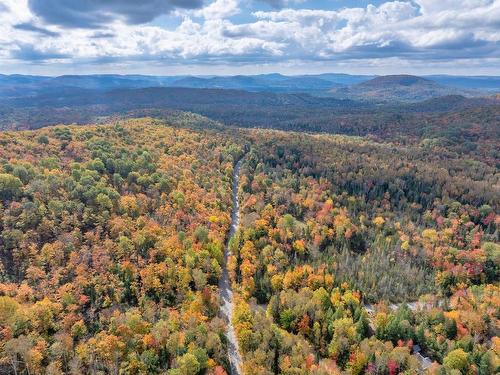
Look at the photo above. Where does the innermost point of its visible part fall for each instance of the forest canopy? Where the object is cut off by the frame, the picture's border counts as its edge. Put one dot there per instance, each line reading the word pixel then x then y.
pixel 354 254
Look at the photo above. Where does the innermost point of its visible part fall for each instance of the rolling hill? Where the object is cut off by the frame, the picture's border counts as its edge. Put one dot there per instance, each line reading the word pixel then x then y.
pixel 399 88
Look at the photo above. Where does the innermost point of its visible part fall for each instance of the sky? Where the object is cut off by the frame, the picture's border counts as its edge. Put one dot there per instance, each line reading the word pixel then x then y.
pixel 170 37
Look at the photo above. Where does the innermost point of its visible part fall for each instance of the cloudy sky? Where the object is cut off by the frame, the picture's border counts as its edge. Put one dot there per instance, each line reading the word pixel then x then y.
pixel 249 36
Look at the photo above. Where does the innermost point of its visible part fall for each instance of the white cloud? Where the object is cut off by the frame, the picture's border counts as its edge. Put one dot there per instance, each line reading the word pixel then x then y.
pixel 437 6
pixel 407 30
pixel 219 9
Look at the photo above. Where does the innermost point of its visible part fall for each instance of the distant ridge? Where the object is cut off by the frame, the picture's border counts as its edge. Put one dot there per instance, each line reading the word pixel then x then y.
pixel 399 88
pixel 398 80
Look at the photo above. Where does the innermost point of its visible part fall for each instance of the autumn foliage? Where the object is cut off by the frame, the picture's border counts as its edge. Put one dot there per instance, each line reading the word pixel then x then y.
pixel 352 255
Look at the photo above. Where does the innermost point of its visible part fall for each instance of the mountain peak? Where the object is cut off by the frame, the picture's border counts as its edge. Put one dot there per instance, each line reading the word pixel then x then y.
pixel 399 79
pixel 397 88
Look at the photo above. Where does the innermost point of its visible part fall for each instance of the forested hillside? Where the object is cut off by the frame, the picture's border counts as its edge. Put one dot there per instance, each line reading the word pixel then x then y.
pixel 112 240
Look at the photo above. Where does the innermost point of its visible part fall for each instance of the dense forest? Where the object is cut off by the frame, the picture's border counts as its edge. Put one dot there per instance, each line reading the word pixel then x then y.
pixel 111 248
pixel 332 225
pixel 372 253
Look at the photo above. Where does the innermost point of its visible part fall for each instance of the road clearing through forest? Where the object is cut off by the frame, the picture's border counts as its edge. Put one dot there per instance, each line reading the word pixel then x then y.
pixel 226 294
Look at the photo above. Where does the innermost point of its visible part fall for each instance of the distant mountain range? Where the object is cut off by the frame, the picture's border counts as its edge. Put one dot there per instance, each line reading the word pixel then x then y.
pixel 267 82
pixel 314 103
pixel 232 107
pixel 175 97
pixel 21 85
pixel 358 87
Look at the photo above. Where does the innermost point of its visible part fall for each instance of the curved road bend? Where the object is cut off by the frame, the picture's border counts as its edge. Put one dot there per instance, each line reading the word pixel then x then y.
pixel 227 303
